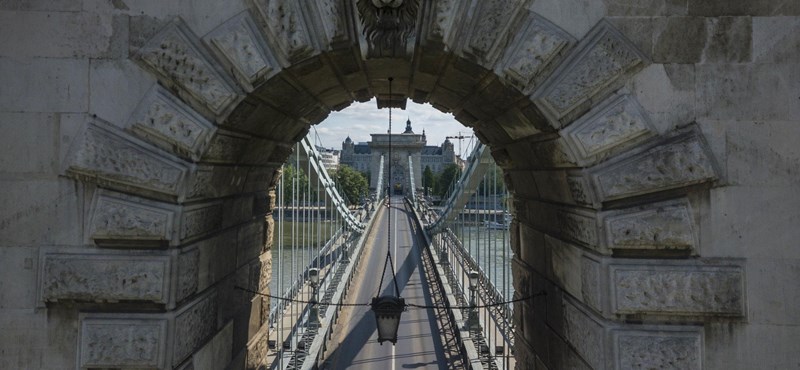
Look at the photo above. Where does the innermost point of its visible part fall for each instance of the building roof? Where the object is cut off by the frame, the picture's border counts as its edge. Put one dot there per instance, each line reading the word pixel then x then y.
pixel 431 150
pixel 361 148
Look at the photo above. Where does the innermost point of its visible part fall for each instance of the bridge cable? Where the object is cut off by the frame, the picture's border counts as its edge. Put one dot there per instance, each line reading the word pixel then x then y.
pixel 389 205
pixel 291 300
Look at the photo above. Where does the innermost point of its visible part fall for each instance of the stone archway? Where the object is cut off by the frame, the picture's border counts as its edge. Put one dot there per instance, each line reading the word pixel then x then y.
pixel 607 209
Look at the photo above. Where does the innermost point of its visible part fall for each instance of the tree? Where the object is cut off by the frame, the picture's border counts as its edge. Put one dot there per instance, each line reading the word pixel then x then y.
pixel 428 179
pixel 293 179
pixel 493 182
pixel 449 175
pixel 352 183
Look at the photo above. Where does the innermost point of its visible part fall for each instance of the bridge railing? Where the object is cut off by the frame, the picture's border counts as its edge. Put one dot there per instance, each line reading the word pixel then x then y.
pixel 321 232
pixel 470 234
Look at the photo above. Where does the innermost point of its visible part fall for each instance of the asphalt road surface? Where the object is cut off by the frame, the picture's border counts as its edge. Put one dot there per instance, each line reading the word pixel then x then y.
pixel 419 343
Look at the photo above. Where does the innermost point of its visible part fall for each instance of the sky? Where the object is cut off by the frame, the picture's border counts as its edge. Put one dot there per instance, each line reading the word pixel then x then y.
pixel 362 119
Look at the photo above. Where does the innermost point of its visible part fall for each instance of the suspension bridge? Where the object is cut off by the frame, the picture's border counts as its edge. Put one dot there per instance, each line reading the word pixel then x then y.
pixel 450 263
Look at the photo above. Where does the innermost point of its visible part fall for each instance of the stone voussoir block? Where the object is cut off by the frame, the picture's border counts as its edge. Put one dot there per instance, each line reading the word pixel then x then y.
pixel 611 345
pixel 146 340
pixel 241 44
pixel 120 220
pixel 677 161
pixel 179 60
pixel 287 28
pixel 92 275
pixel 669 225
pixel 613 126
pixel 170 124
pixel 534 52
pixel 109 157
pixel 594 67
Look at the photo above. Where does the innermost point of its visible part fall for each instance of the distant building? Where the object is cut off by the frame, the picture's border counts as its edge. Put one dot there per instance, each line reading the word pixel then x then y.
pixel 329 157
pixel 365 157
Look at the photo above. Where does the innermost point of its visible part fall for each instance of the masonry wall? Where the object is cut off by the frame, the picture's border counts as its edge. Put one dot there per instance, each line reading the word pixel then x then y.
pixel 673 243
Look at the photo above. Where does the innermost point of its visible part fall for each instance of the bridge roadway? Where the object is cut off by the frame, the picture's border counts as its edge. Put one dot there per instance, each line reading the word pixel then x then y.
pixel 420 340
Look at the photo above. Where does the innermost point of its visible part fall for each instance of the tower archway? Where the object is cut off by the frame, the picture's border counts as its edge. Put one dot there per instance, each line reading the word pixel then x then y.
pixel 609 190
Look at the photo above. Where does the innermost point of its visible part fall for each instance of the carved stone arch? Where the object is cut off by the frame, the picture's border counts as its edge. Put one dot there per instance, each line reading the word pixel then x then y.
pixel 607 206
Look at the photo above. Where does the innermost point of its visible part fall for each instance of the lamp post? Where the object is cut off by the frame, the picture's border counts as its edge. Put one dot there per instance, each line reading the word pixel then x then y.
pixel 473 323
pixel 387 315
pixel 313 312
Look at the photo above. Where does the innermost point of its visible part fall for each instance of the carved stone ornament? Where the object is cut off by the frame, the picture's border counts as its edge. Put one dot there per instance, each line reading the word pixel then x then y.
pixel 387 25
pixel 533 51
pixel 679 162
pixel 123 343
pixel 658 350
pixel 660 226
pixel 193 325
pixel 105 277
pixel 121 221
pixel 174 56
pixel 239 41
pixel 603 58
pixel 164 120
pixel 678 290
pixel 586 335
pixel 286 25
pixel 615 125
pixel 112 158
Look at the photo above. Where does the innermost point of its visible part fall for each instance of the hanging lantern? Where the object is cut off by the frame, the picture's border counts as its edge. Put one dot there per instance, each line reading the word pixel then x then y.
pixel 387 315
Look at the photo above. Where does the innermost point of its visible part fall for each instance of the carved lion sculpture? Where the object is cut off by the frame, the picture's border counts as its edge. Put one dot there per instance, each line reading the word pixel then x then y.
pixel 387 25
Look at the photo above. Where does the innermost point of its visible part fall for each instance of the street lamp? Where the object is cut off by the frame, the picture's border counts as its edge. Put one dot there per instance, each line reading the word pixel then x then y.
pixel 313 277
pixel 387 315
pixel 473 323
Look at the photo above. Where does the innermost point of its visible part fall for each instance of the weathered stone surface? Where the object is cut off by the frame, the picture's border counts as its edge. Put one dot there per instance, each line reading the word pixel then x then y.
pixel 174 56
pixel 207 182
pixel 591 283
pixel 776 39
pixel 598 63
pixel 565 259
pixel 200 220
pixel 586 335
pixel 104 277
pixel 679 162
pixel 677 290
pixel 257 351
pixel 167 122
pixel 193 325
pixel 633 8
pixel 225 147
pixel 679 40
pixel 730 40
pixel 657 350
pixel 122 343
pixel 668 225
pixel 240 42
pixel 488 31
pixel 111 158
pixel 60 85
pixel 571 223
pixel 250 242
pixel 116 220
pixel 743 8
pixel 611 127
pixel 729 93
pixel 287 28
pixel 188 273
pixel 533 51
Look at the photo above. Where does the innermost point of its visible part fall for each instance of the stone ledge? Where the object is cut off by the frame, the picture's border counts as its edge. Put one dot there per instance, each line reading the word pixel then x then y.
pixel 137 340
pixel 677 161
pixel 106 156
pixel 105 276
